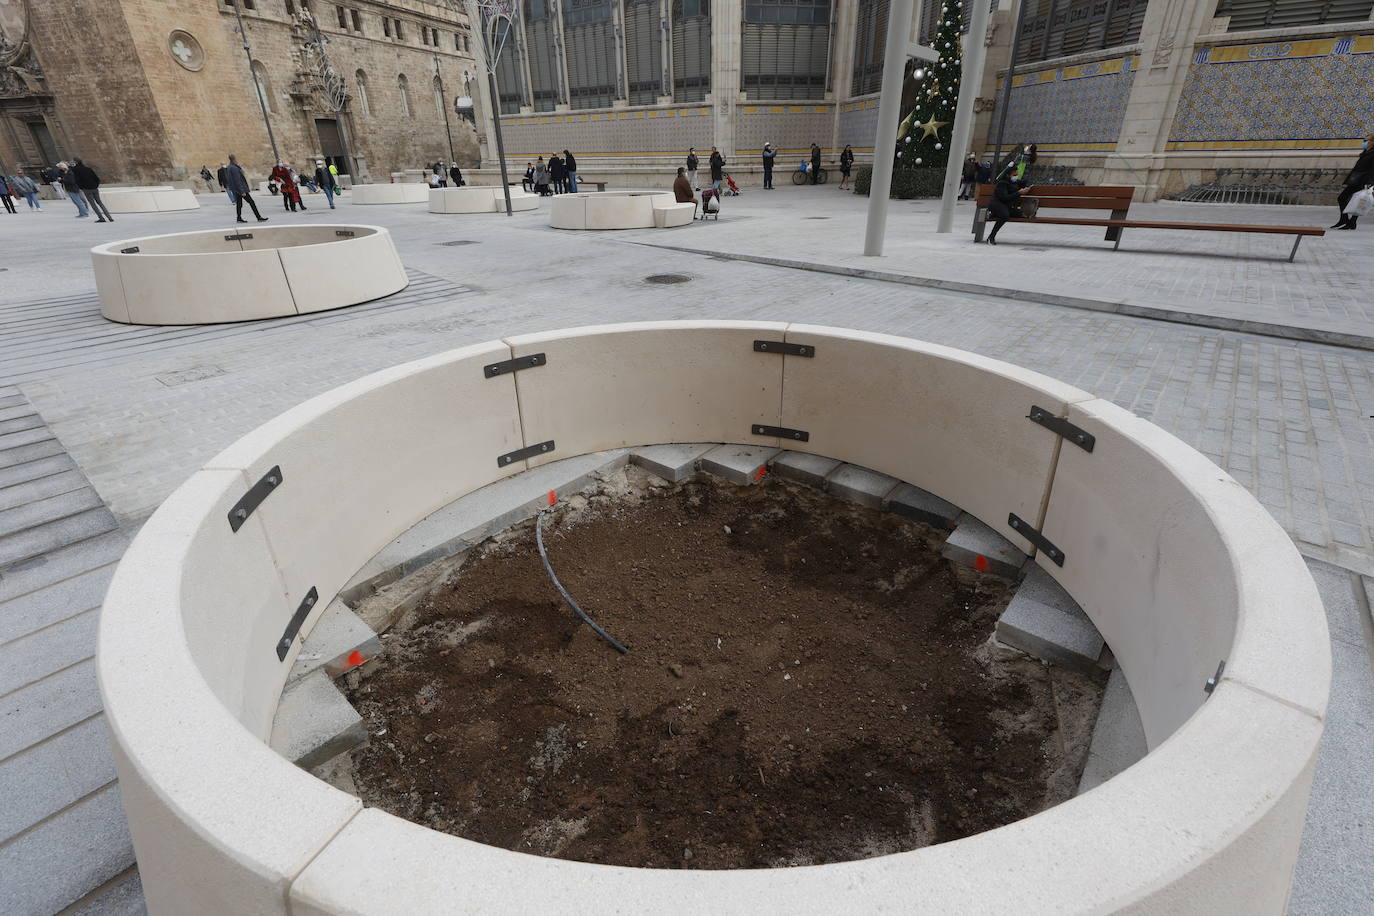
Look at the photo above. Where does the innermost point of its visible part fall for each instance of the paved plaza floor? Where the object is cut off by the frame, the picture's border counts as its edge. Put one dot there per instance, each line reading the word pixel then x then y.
pixel 127 413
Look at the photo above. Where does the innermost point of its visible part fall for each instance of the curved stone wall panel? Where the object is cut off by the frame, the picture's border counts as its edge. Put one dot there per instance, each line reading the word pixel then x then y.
pixel 396 193
pixel 204 288
pixel 480 199
pixel 149 200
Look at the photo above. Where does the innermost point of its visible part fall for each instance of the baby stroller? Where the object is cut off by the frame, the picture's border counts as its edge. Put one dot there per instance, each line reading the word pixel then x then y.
pixel 733 189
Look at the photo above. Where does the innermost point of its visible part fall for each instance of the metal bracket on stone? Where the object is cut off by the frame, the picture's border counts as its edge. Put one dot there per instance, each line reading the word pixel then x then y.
pixel 1079 437
pixel 1042 543
pixel 1075 434
pixel 133 250
pixel 345 233
pixel 492 370
pixel 1215 679
pixel 238 236
pixel 294 626
pixel 253 498
pixel 528 451
pixel 786 349
pixel 781 432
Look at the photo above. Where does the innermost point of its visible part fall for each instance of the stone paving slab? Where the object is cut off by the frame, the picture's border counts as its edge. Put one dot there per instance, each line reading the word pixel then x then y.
pixel 68 766
pixel 860 485
pixel 975 545
pixel 674 463
pixel 315 722
pixel 739 464
pixel 803 467
pixel 923 506
pixel 338 642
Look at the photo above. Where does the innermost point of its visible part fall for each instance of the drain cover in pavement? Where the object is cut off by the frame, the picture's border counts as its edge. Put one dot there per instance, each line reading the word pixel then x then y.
pixel 815 217
pixel 458 242
pixel 667 278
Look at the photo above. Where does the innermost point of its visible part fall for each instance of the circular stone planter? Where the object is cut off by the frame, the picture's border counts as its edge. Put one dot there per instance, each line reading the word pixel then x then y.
pixel 478 200
pixel 403 193
pixel 618 210
pixel 222 275
pixel 1176 564
pixel 148 200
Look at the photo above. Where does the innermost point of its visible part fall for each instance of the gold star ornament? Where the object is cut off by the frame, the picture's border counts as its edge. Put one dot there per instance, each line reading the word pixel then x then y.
pixel 931 126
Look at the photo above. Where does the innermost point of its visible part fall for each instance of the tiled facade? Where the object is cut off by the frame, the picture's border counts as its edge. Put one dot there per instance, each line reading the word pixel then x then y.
pixel 1277 95
pixel 1078 107
pixel 790 128
pixel 667 132
pixel 858 123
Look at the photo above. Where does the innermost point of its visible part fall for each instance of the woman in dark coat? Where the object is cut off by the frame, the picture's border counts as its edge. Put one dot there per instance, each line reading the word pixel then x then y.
pixel 846 163
pixel 1005 203
pixel 558 174
pixel 1360 176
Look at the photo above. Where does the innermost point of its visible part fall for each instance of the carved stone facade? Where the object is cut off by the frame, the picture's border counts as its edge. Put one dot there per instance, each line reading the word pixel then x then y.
pixel 148 91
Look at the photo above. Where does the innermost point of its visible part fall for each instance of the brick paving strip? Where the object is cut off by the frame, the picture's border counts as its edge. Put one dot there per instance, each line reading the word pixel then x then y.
pixel 60 816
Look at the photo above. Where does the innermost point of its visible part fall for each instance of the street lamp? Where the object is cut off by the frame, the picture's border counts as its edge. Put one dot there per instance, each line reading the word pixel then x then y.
pixel 438 75
pixel 257 86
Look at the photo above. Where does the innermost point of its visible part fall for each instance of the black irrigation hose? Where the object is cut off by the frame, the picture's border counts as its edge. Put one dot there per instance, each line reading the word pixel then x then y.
pixel 539 539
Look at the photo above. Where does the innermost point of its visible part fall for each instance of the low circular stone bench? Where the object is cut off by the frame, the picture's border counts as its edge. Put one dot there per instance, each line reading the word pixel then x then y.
pixel 613 210
pixel 395 193
pixel 148 200
pixel 222 275
pixel 478 199
pixel 1177 565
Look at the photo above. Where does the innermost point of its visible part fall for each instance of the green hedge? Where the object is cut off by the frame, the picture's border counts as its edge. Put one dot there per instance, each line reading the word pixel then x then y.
pixel 907 184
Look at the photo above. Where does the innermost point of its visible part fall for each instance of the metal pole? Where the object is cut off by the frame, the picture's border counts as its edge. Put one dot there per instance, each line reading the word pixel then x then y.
pixel 438 74
pixel 1005 103
pixel 973 52
pixel 257 87
pixel 889 110
pixel 500 146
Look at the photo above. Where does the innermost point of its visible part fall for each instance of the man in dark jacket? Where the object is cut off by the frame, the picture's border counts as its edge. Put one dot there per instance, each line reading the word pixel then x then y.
pixel 455 175
pixel 68 180
pixel 1361 176
pixel 238 186
pixel 324 180
pixel 769 154
pixel 558 174
pixel 570 164
pixel 53 178
pixel 717 169
pixel 692 163
pixel 815 162
pixel 682 188
pixel 89 183
pixel 968 181
pixel 1005 203
pixel 224 182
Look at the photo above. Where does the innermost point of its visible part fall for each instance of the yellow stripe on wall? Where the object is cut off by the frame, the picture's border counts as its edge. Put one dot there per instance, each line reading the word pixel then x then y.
pixel 1350 144
pixel 1278 50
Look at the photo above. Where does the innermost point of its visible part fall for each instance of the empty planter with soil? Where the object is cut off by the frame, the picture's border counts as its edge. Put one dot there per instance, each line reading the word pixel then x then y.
pixel 808 682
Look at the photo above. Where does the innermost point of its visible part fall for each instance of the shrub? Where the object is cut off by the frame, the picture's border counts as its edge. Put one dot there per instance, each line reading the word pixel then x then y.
pixel 907 184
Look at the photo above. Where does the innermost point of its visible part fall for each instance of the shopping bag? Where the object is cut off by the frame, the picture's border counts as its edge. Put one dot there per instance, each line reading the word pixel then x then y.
pixel 1361 204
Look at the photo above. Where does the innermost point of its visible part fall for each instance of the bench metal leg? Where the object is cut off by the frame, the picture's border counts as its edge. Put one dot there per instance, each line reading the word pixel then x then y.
pixel 1297 240
pixel 1119 233
pixel 978 224
pixel 1114 232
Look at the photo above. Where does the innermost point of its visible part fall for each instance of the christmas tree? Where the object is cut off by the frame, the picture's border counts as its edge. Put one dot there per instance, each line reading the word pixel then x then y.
pixel 924 135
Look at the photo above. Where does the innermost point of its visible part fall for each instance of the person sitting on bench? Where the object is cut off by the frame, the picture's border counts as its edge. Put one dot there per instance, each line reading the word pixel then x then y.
pixel 1005 203
pixel 682 189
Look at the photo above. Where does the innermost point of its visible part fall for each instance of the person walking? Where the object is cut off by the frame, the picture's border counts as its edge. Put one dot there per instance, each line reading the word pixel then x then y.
pixel 237 183
pixel 570 165
pixel 692 163
pixel 52 177
pixel 440 179
pixel 1005 203
pixel 281 175
pixel 220 176
pixel 325 181
pixel 815 162
pixel 23 184
pixel 558 174
pixel 6 194
pixel 1361 176
pixel 846 163
pixel 717 169
pixel 68 182
pixel 769 154
pixel 968 178
pixel 89 183
pixel 455 175
pixel 206 177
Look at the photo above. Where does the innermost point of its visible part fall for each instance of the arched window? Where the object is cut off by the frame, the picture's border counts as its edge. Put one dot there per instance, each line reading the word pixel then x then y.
pixel 438 97
pixel 404 85
pixel 263 86
pixel 360 78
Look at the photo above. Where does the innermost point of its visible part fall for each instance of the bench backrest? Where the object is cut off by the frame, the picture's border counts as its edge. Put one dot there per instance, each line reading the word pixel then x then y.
pixel 1070 197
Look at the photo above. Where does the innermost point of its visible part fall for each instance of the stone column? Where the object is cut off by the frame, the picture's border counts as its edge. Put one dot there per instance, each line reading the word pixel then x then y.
pixel 622 64
pixel 1166 48
pixel 843 20
pixel 726 19
pixel 665 37
pixel 561 48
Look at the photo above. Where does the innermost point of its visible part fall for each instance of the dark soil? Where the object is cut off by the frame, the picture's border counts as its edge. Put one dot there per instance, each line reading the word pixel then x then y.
pixel 807 682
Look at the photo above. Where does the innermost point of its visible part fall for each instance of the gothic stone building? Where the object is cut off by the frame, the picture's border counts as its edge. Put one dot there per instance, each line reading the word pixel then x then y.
pixel 148 91
pixel 1149 93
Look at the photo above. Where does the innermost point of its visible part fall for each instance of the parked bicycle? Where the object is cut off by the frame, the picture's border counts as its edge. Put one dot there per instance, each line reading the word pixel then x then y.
pixel 803 174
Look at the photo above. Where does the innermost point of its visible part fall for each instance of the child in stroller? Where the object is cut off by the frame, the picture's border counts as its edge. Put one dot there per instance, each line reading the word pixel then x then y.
pixel 732 188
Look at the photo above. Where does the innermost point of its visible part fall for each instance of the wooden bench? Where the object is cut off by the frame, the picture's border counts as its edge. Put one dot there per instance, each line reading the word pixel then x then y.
pixel 1117 200
pixel 600 185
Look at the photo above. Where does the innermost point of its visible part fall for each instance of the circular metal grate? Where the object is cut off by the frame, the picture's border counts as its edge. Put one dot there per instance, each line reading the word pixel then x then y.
pixel 667 278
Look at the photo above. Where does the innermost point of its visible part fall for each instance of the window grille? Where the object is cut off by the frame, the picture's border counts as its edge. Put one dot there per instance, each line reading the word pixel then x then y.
pixel 691 49
pixel 644 51
pixel 870 37
pixel 1057 28
pixel 591 53
pixel 1274 14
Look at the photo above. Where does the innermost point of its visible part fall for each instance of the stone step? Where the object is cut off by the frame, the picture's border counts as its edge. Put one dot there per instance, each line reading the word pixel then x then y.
pixel 468 521
pixel 739 464
pixel 977 546
pixel 860 485
pixel 674 463
pixel 922 506
pixel 1118 737
pixel 803 468
pixel 339 643
pixel 1043 621
pixel 314 722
